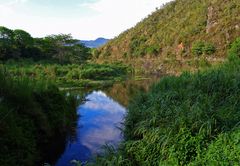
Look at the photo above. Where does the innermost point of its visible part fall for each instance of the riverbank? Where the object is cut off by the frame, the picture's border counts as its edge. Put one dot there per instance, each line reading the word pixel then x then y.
pixel 36 107
pixel 66 76
pixel 32 115
pixel 192 119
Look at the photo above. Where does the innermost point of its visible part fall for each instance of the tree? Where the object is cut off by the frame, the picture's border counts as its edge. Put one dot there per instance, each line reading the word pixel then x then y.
pixel 79 53
pixel 22 38
pixel 61 48
pixel 65 49
pixel 6 43
pixel 6 34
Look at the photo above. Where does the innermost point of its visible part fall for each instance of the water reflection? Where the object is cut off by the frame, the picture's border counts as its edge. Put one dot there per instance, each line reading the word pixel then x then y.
pixel 124 92
pixel 99 118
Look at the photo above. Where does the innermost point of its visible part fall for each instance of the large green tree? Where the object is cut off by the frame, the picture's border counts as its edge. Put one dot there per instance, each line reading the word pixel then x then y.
pixel 22 38
pixel 6 43
pixel 64 48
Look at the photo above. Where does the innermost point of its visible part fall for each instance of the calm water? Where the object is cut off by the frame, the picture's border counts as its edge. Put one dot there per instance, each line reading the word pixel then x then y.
pixel 99 119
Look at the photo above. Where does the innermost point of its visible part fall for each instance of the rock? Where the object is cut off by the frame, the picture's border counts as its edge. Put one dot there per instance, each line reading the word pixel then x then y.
pixel 210 21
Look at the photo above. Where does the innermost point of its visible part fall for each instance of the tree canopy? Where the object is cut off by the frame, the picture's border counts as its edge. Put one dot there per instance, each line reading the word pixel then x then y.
pixel 61 48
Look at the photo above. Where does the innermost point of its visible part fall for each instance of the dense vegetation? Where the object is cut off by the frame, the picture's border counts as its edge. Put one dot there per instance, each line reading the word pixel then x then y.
pixel 58 58
pixel 32 114
pixel 35 115
pixel 170 34
pixel 68 75
pixel 192 119
pixel 62 48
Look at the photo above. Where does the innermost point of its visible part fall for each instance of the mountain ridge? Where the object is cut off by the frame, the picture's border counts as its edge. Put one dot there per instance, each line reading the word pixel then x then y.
pixel 94 43
pixel 170 33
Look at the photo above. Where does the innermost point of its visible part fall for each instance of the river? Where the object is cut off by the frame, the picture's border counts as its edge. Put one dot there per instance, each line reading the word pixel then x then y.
pixel 100 119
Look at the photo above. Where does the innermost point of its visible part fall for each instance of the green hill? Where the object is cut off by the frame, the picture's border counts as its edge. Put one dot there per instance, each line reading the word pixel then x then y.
pixel 176 34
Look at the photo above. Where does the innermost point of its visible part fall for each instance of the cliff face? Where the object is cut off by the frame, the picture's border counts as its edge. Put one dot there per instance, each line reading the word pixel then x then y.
pixel 172 30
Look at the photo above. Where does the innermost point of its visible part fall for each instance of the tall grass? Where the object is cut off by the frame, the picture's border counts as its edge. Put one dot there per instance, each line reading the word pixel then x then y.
pixel 31 114
pixel 193 119
pixel 180 120
pixel 70 75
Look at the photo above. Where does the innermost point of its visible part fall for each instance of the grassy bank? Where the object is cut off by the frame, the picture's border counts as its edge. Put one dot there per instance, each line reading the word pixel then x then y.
pixel 31 115
pixel 69 75
pixel 192 119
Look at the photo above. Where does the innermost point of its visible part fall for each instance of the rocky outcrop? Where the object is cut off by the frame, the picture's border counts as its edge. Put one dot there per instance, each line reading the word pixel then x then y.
pixel 211 22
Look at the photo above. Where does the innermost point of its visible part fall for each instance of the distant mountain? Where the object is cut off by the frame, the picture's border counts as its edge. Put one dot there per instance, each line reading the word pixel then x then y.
pixel 94 43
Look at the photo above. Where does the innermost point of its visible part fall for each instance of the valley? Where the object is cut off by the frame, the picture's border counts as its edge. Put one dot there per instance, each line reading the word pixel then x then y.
pixel 164 92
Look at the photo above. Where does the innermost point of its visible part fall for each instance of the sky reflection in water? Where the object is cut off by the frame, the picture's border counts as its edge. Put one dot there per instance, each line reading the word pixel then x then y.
pixel 97 125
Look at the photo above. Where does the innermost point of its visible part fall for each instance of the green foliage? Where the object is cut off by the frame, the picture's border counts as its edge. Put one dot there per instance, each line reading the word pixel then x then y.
pixel 69 75
pixel 110 157
pixel 179 21
pixel 62 48
pixel 22 38
pixel 192 119
pixel 209 49
pixel 200 48
pixel 6 34
pixel 176 122
pixel 31 114
pixel 222 151
pixel 137 46
pixel 152 50
pixel 235 48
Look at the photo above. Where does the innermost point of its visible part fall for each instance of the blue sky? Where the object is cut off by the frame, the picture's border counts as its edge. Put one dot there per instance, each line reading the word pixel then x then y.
pixel 84 19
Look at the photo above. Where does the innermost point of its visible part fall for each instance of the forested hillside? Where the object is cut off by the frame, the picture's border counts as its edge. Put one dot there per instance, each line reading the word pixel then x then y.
pixel 177 33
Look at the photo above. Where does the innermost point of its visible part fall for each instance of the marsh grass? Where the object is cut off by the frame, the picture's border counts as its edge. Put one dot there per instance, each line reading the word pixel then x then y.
pixel 69 75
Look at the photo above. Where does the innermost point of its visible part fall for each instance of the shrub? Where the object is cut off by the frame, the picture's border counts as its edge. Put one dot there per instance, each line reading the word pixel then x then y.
pixel 32 114
pixel 152 50
pixel 197 48
pixel 235 48
pixel 200 48
pixel 209 49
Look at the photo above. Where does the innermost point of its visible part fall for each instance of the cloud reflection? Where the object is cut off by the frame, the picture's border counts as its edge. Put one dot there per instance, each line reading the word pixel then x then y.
pixel 97 126
pixel 101 125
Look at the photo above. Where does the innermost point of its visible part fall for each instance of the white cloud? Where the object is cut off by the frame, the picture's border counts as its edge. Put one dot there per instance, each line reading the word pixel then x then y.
pixel 110 18
pixel 5 11
pixel 9 8
pixel 102 127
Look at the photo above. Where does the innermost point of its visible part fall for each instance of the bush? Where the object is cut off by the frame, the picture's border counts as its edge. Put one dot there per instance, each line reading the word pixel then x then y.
pixel 152 50
pixel 209 49
pixel 66 75
pixel 32 114
pixel 197 48
pixel 235 48
pixel 200 48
